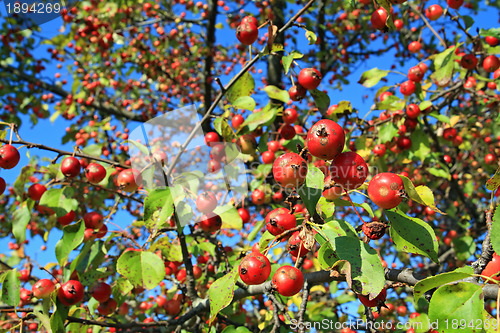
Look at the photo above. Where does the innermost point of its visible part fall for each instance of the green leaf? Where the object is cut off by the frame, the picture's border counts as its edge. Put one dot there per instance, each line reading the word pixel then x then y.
pixel 321 99
pixel 494 182
pixel 338 228
pixel 121 288
pixel 312 189
pixel 495 32
pixel 469 21
pixel 421 323
pixel 42 316
pixel 142 148
pixel 221 292
pixel 72 237
pixel 265 116
pixel 412 235
pixel 495 230
pixel 420 146
pixel 438 280
pixel 464 305
pixel 264 240
pixel 59 316
pixel 288 59
pixel 464 247
pixel 89 277
pixel 20 220
pixel 158 207
pixel 20 182
pixel 444 66
pixel 424 105
pixel 311 37
pixel 440 117
pixel 391 103
pixel 366 272
pixel 326 256
pixel 348 4
pixel 142 269
pixel 442 173
pixel 232 329
pixel 344 107
pixel 230 217
pixel 292 144
pixel 325 208
pixel 372 77
pixel 276 93
pixel 244 86
pixel 387 132
pixel 92 253
pixel 11 286
pixel 256 230
pixel 244 102
pixel 222 127
pixel 171 251
pixel 94 150
pixel 421 194
pixel 59 200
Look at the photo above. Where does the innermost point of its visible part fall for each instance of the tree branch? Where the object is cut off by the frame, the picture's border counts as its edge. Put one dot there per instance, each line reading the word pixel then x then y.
pixel 229 85
pixel 104 108
pixel 64 152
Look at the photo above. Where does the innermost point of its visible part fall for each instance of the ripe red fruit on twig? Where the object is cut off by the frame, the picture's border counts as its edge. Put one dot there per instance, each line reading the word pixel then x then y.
pixel 379 18
pixel 101 291
pixel 70 167
pixel 386 190
pixel 36 191
pixel 309 78
pixel 279 220
pixel 377 301
pixel 70 293
pixel 247 33
pixel 349 170
pixel 129 180
pixel 9 156
pixel 290 170
pixel 95 173
pixel 43 288
pixel 210 223
pixel 254 269
pixel 206 202
pixel 325 139
pixel 288 280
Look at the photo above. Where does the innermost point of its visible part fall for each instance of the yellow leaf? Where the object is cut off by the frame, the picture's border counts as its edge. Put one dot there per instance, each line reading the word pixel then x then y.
pixel 50 265
pixel 318 288
pixel 297 299
pixel 454 120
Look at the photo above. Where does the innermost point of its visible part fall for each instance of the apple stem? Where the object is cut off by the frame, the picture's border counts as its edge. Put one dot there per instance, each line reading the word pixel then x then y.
pixel 11 132
pixel 50 273
pixel 352 204
pixel 298 254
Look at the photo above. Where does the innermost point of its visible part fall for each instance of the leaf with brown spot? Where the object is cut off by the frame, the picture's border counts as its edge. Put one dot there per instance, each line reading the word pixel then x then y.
pixel 494 182
pixel 412 235
pixel 342 267
pixel 221 292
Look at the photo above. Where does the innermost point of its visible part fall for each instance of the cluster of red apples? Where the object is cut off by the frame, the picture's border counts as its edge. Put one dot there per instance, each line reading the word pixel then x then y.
pixel 346 171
